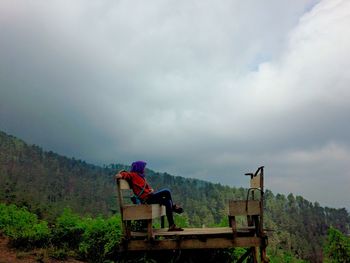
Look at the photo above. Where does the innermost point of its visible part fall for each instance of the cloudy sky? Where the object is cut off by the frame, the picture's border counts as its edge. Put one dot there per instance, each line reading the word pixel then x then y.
pixel 203 89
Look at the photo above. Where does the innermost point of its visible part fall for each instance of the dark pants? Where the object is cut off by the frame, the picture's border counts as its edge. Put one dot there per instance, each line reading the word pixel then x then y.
pixel 163 197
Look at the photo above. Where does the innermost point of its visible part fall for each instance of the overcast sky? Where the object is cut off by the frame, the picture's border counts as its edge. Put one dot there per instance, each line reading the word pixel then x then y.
pixel 203 89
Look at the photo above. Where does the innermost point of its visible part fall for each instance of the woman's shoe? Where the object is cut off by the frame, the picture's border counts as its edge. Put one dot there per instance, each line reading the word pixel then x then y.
pixel 177 209
pixel 175 228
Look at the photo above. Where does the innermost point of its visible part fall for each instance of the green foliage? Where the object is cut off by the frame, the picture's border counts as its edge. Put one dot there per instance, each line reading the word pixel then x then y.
pixel 100 239
pixel 22 227
pixel 237 253
pixel 224 222
pixel 300 227
pixel 181 220
pixel 337 246
pixel 68 230
pixel 285 257
pixel 46 183
pixel 94 240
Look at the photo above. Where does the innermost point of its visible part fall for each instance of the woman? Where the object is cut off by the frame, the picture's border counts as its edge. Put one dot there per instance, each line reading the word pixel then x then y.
pixel 143 191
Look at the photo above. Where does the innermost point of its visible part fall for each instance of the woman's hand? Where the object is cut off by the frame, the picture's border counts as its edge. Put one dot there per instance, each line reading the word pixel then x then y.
pixel 118 175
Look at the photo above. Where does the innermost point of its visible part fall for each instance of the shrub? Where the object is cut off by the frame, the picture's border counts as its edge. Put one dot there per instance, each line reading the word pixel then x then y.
pixel 100 239
pixel 68 230
pixel 22 227
pixel 95 240
pixel 337 246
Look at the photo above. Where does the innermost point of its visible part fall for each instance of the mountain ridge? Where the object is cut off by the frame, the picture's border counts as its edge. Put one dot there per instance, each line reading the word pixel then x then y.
pixel 46 183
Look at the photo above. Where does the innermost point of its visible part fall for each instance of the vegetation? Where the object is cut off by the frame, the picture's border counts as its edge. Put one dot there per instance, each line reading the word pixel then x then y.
pixel 337 247
pixel 43 184
pixel 23 227
pixel 90 239
pixel 95 239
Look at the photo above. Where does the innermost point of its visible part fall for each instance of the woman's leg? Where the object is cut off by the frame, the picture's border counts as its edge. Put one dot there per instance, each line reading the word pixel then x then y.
pixel 163 197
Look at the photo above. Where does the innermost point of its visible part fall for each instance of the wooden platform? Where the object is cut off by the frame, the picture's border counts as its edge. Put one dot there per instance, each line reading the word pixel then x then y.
pixel 220 231
pixel 200 238
pixel 252 237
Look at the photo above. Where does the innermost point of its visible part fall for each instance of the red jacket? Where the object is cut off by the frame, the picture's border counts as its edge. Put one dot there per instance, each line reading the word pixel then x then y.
pixel 137 183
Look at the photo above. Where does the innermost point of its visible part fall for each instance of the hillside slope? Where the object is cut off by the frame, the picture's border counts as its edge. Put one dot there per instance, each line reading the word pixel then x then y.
pixel 47 182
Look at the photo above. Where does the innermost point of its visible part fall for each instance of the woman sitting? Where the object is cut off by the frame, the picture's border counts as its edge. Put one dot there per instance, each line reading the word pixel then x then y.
pixel 143 191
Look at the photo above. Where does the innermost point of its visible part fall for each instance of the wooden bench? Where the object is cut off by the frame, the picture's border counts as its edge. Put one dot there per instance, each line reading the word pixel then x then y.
pixel 132 212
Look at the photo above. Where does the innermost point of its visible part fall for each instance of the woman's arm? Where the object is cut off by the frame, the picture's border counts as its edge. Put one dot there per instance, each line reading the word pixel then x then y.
pixel 122 175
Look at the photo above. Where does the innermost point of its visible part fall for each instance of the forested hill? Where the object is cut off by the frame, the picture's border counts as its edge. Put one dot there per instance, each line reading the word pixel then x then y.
pixel 46 182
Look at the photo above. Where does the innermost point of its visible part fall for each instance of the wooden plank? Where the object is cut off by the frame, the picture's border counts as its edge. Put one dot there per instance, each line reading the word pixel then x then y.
pixel 123 184
pixel 240 208
pixel 194 231
pixel 191 232
pixel 138 212
pixel 208 243
pixel 255 182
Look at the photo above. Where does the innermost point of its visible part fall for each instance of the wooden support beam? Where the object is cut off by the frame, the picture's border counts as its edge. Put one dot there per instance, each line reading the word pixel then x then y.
pixel 255 251
pixel 204 243
pixel 244 256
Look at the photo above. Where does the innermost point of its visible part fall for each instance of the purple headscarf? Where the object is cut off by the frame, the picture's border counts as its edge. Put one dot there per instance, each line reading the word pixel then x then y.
pixel 138 167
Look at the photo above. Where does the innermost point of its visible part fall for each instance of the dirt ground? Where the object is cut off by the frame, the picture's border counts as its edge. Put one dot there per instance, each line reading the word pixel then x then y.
pixel 10 255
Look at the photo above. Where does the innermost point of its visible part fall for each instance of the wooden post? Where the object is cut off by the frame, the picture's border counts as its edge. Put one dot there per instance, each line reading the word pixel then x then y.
pixel 263 256
pixel 232 222
pixel 257 182
pixel 255 253
pixel 120 197
pixel 149 229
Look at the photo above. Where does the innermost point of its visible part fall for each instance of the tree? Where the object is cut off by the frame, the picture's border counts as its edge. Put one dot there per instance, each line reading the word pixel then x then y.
pixel 337 247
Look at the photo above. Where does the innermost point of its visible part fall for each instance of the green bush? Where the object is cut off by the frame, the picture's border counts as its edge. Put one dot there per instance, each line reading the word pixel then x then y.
pixel 68 230
pixel 95 240
pixel 337 246
pixel 100 239
pixel 22 227
pixel 181 220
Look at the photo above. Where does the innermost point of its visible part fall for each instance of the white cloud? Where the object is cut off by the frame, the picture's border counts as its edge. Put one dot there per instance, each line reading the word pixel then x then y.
pixel 196 88
pixel 321 174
